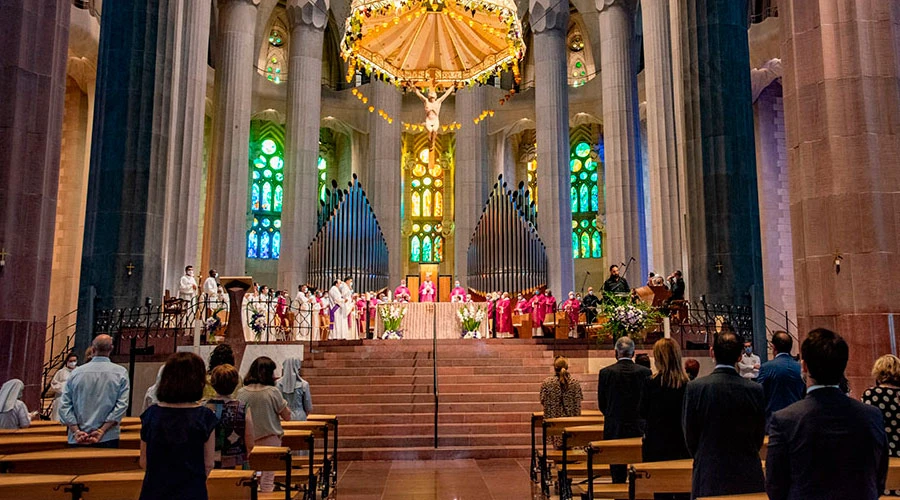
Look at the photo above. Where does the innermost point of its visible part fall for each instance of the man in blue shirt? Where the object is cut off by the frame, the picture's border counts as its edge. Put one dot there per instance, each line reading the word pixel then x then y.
pixel 781 380
pixel 95 399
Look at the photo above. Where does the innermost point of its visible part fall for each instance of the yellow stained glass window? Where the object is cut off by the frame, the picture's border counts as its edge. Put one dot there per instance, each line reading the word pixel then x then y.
pixel 426 203
pixel 416 205
pixel 419 170
pixel 438 204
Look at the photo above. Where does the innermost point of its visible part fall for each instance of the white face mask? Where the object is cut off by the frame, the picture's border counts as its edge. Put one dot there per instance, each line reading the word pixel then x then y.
pixel 190 273
pixel 72 364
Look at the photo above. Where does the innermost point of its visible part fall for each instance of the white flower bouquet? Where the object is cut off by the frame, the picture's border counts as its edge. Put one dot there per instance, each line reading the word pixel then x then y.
pixel 470 317
pixel 392 315
pixel 627 318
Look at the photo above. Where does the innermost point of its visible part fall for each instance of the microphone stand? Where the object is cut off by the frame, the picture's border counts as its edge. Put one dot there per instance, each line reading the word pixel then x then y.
pixel 586 274
pixel 625 272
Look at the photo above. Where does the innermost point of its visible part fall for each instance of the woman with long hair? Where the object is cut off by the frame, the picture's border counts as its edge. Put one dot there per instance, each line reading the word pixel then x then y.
pixel 268 407
pixel 661 404
pixel 561 394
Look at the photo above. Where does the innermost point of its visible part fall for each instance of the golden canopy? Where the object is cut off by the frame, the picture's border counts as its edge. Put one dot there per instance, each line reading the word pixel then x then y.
pixel 417 42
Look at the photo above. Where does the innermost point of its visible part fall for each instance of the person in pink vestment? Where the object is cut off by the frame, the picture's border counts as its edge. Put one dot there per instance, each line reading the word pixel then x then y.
pixel 549 303
pixel 538 311
pixel 504 316
pixel 401 293
pixel 572 306
pixel 427 290
pixel 362 313
pixel 458 294
pixel 523 306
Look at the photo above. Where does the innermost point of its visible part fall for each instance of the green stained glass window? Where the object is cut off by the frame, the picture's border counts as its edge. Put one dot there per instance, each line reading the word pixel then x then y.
pixel 427 209
pixel 583 165
pixel 266 189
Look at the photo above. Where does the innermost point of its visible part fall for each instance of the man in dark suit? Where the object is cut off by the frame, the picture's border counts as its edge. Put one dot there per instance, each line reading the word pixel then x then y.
pixel 826 446
pixel 619 397
pixel 781 380
pixel 724 425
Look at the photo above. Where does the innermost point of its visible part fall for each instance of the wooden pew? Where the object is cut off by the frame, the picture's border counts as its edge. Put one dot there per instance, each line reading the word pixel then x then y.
pixel 537 419
pixel 277 458
pixel 43 430
pixel 28 443
pixel 670 476
pixel 324 459
pixel 613 451
pixel 554 427
pixel 572 438
pixel 332 422
pixel 75 461
pixel 221 485
pixel 35 486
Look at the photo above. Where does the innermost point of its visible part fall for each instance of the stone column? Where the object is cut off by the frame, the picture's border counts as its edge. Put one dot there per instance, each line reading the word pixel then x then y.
pixel 33 85
pixel 841 110
pixel 662 159
pixel 383 169
pixel 186 130
pixel 227 203
pixel 726 251
pixel 471 170
pixel 307 20
pixel 121 262
pixel 551 21
pixel 624 225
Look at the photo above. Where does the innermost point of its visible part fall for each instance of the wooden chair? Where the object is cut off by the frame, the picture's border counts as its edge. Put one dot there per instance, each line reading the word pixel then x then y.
pixel 574 438
pixel 536 422
pixel 40 486
pixel 554 427
pixel 332 422
pixel 74 461
pixel 307 475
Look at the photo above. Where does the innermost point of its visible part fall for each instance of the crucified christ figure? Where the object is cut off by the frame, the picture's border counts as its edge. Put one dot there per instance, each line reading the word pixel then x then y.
pixel 433 111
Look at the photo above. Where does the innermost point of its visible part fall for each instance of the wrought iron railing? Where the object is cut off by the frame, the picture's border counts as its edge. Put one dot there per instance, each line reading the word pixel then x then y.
pixel 59 343
pixel 695 324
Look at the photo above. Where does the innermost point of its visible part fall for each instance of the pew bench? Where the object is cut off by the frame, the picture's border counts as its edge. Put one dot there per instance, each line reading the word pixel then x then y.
pixel 537 419
pixel 40 486
pixel 574 440
pixel 613 451
pixel 75 461
pixel 27 443
pixel 279 458
pixel 323 459
pixel 332 422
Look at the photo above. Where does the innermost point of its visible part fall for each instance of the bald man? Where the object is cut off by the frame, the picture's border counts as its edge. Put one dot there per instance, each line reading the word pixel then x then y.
pixel 95 398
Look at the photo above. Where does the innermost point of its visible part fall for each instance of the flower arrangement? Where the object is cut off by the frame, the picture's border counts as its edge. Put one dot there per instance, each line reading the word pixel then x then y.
pixel 392 315
pixel 257 324
pixel 470 317
pixel 212 325
pixel 624 317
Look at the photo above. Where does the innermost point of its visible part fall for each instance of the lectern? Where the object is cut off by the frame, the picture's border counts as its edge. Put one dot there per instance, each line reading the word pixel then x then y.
pixel 234 333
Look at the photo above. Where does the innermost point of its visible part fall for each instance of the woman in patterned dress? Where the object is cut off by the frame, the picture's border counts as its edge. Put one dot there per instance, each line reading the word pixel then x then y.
pixel 886 397
pixel 561 394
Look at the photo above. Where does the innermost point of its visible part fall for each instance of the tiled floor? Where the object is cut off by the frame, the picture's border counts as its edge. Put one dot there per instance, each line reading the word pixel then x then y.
pixel 490 479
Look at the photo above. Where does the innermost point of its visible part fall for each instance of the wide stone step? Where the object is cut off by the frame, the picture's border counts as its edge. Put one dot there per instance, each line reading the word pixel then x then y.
pixel 342 409
pixel 426 370
pixel 431 453
pixel 442 353
pixel 445 397
pixel 350 362
pixel 405 428
pixel 444 384
pixel 412 441
pixel 373 381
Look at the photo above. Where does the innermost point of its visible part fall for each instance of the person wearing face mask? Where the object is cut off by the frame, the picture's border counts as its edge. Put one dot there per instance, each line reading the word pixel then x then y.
pixel 749 363
pixel 589 306
pixel 59 383
pixel 187 285
pixel 572 306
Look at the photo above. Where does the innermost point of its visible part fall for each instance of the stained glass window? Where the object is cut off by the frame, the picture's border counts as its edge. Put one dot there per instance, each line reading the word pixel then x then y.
pixel 322 169
pixel 427 203
pixel 275 55
pixel 584 164
pixel 266 190
pixel 532 180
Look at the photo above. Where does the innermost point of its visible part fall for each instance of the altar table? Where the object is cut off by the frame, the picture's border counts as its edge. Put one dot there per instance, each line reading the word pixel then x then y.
pixel 418 322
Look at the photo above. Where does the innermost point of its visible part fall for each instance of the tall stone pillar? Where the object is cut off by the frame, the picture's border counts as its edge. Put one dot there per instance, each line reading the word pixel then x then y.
pixel 33 85
pixel 664 180
pixel 121 263
pixel 471 173
pixel 726 249
pixel 227 204
pixel 551 98
pixel 383 169
pixel 843 142
pixel 307 20
pixel 624 224
pixel 186 129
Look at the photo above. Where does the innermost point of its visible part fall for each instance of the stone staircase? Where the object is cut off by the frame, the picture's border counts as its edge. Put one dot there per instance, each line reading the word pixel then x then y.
pixel 382 393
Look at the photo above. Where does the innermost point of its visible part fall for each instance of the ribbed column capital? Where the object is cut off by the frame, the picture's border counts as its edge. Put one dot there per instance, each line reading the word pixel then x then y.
pixel 549 15
pixel 223 3
pixel 312 13
pixel 603 5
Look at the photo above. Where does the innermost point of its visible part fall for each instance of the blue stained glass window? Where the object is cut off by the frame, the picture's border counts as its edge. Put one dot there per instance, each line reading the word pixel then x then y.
pixel 264 246
pixel 252 244
pixel 584 165
pixel 415 250
pixel 266 189
pixel 276 245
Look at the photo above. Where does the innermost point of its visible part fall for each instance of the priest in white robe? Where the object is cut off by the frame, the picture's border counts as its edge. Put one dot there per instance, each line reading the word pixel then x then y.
pixel 348 306
pixel 339 312
pixel 187 285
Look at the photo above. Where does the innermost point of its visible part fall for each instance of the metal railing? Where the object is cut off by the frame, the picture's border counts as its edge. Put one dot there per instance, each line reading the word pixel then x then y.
pixel 695 325
pixel 59 343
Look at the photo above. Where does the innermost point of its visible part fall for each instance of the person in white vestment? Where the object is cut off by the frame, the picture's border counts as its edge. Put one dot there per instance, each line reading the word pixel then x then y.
pixel 337 313
pixel 210 287
pixel 59 383
pixel 248 305
pixel 348 306
pixel 187 285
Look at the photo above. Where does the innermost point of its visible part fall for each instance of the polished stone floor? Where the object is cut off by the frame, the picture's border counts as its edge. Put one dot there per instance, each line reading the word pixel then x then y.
pixel 489 479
